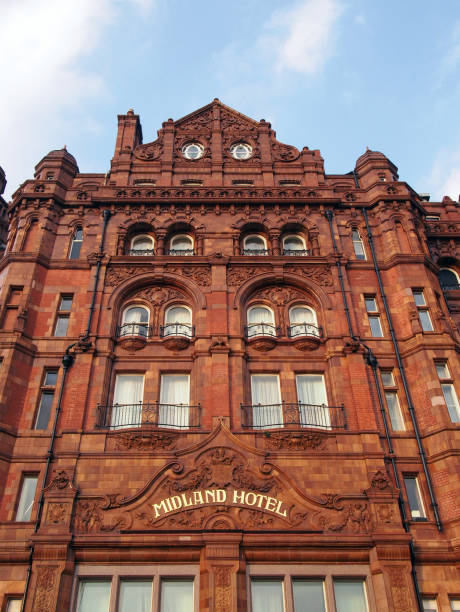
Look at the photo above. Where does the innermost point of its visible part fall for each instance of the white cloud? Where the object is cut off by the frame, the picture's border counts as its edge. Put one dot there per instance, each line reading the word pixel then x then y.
pixel 304 36
pixel 444 178
pixel 42 45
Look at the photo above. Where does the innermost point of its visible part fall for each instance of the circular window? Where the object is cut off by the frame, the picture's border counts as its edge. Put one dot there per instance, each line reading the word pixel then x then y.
pixel 193 150
pixel 241 150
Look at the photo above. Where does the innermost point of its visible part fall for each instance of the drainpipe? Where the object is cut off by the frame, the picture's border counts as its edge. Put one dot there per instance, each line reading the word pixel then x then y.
pixel 67 362
pixel 403 377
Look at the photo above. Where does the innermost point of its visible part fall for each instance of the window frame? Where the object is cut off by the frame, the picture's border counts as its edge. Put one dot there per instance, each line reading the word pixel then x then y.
pixel 317 572
pixel 141 323
pixel 373 315
pixel 74 241
pixel 116 573
pixel 422 307
pixel 263 251
pixel 358 241
pixel 291 251
pixel 132 248
pixel 175 237
pixel 423 514
pixel 428 599
pixel 178 332
pixel 45 389
pixel 12 597
pixel 252 307
pixel 25 475
pixel 391 388
pixel 448 381
pixel 317 332
pixel 63 314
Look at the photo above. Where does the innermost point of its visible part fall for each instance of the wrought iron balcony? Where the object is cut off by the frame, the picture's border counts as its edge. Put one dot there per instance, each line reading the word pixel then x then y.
pixel 261 329
pixel 255 252
pixel 296 416
pixel 180 252
pixel 177 329
pixel 134 329
pixel 299 330
pixel 296 252
pixel 141 252
pixel 152 414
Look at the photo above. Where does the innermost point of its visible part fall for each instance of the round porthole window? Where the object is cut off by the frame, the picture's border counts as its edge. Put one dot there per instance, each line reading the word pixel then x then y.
pixel 193 150
pixel 241 150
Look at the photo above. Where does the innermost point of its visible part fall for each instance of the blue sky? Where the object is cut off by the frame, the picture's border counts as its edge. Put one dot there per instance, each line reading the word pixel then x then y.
pixel 336 75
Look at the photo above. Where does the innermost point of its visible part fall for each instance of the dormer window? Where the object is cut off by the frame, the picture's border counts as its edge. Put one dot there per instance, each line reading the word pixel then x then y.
pixel 255 245
pixel 142 245
pixel 294 245
pixel 181 245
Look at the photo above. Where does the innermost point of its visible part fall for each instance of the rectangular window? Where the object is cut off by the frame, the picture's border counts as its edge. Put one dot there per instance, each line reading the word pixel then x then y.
pixel 127 401
pixel 429 604
pixel 455 604
pixel 266 401
pixel 267 595
pixel 63 315
pixel 423 314
pixel 308 594
pixel 349 595
pixel 311 395
pixel 358 245
pixel 391 396
pixel 448 390
pixel 26 498
pixel 13 604
pixel 136 589
pixel 174 401
pixel 75 247
pixel 46 399
pixel 413 495
pixel 373 316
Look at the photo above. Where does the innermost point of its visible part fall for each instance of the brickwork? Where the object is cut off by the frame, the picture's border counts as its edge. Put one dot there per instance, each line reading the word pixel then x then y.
pixel 330 467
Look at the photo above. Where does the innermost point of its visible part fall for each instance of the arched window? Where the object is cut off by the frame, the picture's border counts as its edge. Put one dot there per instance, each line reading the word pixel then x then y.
pixel 142 245
pixel 302 322
pixel 261 321
pixel 448 279
pixel 135 322
pixel 77 240
pixel 181 245
pixel 358 245
pixel 294 245
pixel 255 245
pixel 178 321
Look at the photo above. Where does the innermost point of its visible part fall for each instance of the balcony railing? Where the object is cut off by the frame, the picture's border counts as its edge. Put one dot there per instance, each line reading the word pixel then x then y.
pixel 134 329
pixel 153 414
pixel 261 329
pixel 304 329
pixel 293 416
pixel 141 252
pixel 296 252
pixel 180 252
pixel 177 329
pixel 255 252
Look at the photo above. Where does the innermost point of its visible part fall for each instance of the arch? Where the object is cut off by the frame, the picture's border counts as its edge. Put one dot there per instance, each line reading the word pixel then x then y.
pixel 448 278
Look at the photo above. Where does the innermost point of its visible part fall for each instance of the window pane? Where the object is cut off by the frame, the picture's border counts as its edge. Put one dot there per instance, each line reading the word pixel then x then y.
pixel 44 410
pixel 394 411
pixel 293 243
pixel 181 243
pixel 93 596
pixel 174 400
pixel 135 596
pixel 376 327
pixel 129 393
pixel 14 605
pixel 254 242
pixel 387 379
pixel 311 394
pixel 29 485
pixel 176 596
pixel 266 392
pixel 261 322
pixel 442 370
pixel 267 596
pixel 66 303
pixel 429 605
pixel 50 379
pixel 455 604
pixel 425 320
pixel 308 595
pixel 413 495
pixel 62 323
pixel 452 402
pixel 419 298
pixel 349 596
pixel 76 245
pixel 143 243
pixel 371 305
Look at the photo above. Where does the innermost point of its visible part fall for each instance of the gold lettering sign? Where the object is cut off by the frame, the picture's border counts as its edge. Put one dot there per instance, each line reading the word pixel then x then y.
pixel 219 496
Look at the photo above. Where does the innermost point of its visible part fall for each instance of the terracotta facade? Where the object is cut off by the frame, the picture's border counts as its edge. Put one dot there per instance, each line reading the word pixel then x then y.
pixel 222 487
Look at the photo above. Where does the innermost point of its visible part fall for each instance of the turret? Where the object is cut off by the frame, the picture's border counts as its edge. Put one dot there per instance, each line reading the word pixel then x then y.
pixel 373 167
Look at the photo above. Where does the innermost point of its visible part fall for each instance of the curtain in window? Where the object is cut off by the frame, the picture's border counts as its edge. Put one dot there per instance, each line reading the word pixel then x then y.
pixel 266 392
pixel 261 314
pixel 129 393
pixel 137 314
pixel 301 320
pixel 178 322
pixel 143 243
pixel 311 394
pixel 93 596
pixel 267 596
pixel 254 243
pixel 293 243
pixel 176 596
pixel 135 596
pixel 182 243
pixel 349 596
pixel 175 390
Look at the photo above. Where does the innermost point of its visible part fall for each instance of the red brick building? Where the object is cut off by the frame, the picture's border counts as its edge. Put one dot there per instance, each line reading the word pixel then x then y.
pixel 228 381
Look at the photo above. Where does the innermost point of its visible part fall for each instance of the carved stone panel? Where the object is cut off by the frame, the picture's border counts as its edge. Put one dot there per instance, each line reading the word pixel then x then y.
pixel 45 587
